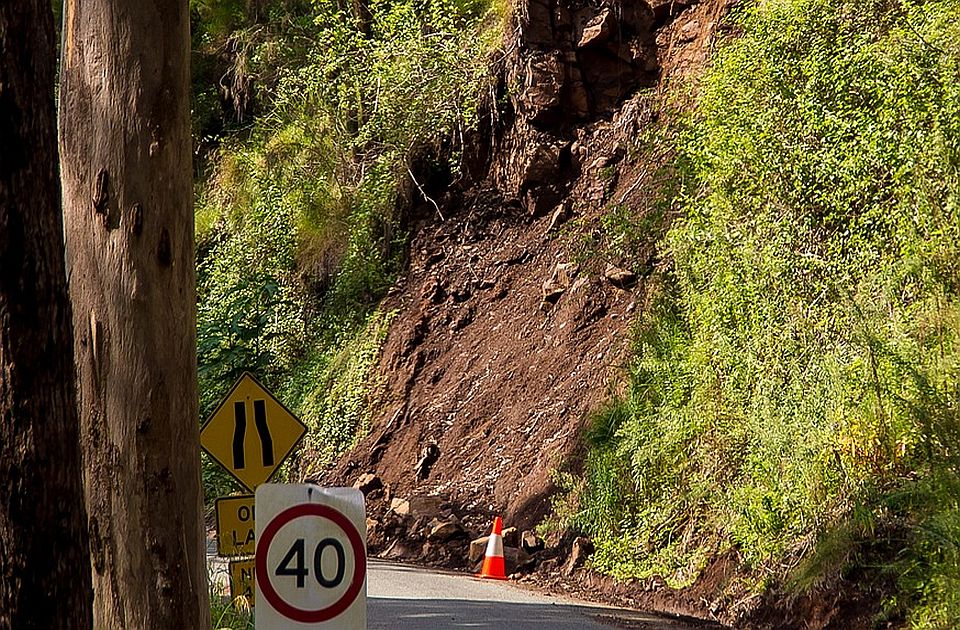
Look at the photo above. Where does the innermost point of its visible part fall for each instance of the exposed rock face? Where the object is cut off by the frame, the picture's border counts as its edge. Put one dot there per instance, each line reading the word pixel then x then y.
pixel 580 59
pixel 573 61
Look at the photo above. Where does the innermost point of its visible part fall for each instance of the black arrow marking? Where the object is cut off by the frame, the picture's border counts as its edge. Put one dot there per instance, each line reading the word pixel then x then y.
pixel 240 429
pixel 266 442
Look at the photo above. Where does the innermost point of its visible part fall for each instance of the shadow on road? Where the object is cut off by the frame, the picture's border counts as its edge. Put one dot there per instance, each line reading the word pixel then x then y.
pixel 410 614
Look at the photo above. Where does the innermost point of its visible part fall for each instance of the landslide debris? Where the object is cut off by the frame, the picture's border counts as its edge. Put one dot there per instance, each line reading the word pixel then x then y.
pixel 507 333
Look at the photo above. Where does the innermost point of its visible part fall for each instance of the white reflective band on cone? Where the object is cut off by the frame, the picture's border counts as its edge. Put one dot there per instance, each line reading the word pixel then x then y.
pixel 495 545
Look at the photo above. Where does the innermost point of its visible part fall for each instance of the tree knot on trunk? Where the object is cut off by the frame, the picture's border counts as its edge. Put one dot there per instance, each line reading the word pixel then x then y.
pixel 101 192
pixel 136 219
pixel 101 201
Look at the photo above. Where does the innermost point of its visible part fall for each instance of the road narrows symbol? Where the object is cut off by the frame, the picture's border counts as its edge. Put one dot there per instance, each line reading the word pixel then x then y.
pixel 260 419
pixel 251 433
pixel 240 430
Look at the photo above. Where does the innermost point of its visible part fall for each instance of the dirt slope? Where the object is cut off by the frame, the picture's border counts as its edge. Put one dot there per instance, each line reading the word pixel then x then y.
pixel 506 338
pixel 480 376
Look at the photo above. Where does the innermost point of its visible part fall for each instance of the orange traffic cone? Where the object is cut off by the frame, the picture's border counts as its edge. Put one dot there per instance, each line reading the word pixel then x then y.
pixel 493 566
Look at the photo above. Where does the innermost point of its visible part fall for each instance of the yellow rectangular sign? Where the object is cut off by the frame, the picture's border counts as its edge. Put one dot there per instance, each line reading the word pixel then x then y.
pixel 235 526
pixel 242 583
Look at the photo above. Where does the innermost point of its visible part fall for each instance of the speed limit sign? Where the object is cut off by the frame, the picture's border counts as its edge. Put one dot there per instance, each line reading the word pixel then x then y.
pixel 311 559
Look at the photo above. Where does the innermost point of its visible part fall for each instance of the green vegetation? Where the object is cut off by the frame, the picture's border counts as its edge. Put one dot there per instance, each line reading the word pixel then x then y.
pixel 228 614
pixel 795 386
pixel 307 143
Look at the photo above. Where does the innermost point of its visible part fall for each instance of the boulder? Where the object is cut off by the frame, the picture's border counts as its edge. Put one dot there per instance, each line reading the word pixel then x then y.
pixel 368 483
pixel 478 548
pixel 399 549
pixel 618 277
pixel 400 507
pixel 582 548
pixel 516 559
pixel 599 30
pixel 559 282
pixel 511 537
pixel 530 542
pixel 445 531
pixel 418 506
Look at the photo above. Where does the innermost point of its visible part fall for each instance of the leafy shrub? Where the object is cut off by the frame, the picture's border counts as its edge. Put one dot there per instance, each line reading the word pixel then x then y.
pixel 297 227
pixel 802 362
pixel 333 389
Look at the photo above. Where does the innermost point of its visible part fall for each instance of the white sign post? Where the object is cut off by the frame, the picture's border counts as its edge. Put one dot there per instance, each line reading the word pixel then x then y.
pixel 311 559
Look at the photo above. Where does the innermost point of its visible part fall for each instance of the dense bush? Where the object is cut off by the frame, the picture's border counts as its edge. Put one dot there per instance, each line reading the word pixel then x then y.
pixel 297 227
pixel 799 372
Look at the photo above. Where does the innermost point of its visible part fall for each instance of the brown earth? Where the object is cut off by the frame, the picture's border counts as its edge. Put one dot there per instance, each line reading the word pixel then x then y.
pixel 506 338
pixel 509 333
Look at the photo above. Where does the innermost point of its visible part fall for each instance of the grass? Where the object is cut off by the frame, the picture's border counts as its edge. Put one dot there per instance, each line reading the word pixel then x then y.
pixel 793 393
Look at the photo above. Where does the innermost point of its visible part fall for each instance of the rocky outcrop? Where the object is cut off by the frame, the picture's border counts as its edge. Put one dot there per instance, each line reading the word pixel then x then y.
pixel 578 60
pixel 570 62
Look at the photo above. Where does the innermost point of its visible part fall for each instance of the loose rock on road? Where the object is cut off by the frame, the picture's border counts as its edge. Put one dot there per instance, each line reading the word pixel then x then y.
pixel 403 597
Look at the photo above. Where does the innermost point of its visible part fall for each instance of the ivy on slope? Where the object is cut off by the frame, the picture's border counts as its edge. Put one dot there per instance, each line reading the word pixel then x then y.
pixel 795 388
pixel 297 232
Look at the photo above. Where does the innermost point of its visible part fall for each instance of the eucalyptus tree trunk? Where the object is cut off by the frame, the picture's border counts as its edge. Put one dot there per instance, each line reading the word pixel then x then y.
pixel 126 172
pixel 44 560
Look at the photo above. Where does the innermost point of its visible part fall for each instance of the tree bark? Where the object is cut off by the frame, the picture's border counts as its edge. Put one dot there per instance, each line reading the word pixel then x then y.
pixel 126 172
pixel 44 559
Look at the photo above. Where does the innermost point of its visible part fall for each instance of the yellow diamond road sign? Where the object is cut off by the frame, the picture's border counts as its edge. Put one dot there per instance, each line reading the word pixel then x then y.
pixel 251 432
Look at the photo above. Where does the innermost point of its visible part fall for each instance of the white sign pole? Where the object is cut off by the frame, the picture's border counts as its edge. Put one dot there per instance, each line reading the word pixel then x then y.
pixel 311 558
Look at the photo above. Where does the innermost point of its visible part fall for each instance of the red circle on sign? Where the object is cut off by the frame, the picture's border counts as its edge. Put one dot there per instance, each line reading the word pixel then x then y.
pixel 359 570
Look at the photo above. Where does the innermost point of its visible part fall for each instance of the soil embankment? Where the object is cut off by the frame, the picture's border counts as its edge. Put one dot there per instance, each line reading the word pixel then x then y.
pixel 508 331
pixel 512 326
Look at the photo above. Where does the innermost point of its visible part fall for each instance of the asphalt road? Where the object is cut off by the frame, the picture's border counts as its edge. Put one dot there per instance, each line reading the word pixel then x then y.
pixel 402 597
